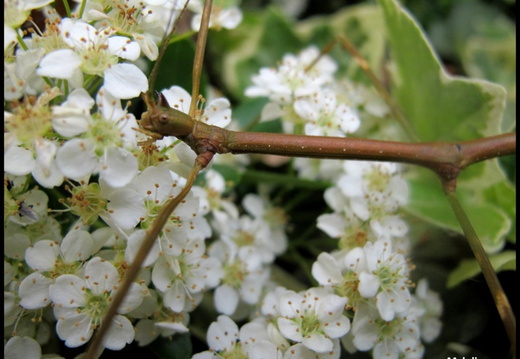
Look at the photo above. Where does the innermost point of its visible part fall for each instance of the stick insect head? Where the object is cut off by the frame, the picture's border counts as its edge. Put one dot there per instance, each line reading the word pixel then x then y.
pixel 164 120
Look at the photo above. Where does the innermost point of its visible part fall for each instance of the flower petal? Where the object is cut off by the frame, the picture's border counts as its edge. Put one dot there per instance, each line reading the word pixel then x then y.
pixel 101 276
pixel 121 332
pixel 178 98
pixel 18 161
pixel 317 342
pixel 218 113
pixel 226 299
pixel 368 285
pixel 42 256
pixel 59 64
pixel 222 334
pixel 326 271
pixel 124 48
pixel 290 329
pixel 68 291
pixel 175 297
pixel 126 208
pixel 76 246
pixel 22 348
pixel 76 330
pixel 76 159
pixel 337 328
pixel 125 81
pixel 120 167
pixel 34 291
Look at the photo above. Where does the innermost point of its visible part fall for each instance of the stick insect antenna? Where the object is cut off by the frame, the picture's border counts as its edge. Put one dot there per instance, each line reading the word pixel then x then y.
pixel 199 55
pixel 148 96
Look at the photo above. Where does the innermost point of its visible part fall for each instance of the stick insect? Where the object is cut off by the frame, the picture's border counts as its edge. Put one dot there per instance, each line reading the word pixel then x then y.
pixel 446 159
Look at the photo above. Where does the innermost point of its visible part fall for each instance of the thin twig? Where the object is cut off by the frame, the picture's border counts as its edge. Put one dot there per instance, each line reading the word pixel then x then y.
pixel 130 275
pixel 499 296
pixel 394 108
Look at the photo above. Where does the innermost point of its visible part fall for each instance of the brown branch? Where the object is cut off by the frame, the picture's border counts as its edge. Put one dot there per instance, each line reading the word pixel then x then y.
pixel 447 159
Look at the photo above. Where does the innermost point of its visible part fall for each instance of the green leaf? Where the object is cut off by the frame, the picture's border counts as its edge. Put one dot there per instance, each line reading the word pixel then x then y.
pixel 469 268
pixel 178 347
pixel 490 221
pixel 493 58
pixel 483 40
pixel 439 106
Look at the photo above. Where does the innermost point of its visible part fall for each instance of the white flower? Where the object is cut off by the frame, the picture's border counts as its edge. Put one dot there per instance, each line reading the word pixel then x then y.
pixel 345 226
pixel 213 201
pixel 80 305
pixel 270 216
pixel 326 270
pixel 292 78
pixel 372 187
pixel 323 115
pixel 95 52
pixel 254 241
pixel 141 201
pixel 216 112
pixel 373 192
pixel 181 277
pixel 20 75
pixel 239 283
pixel 164 323
pixel 225 340
pixel 383 274
pixel 27 150
pixel 331 272
pixel 17 11
pixel 106 138
pixel 49 258
pixel 144 22
pixel 270 305
pixel 300 351
pixel 387 339
pixel 313 318
pixel 19 237
pixel 428 307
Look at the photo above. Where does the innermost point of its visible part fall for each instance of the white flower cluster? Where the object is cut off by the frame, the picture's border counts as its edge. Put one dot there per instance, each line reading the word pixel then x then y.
pixel 82 187
pixel 366 299
pixel 302 91
pixel 68 246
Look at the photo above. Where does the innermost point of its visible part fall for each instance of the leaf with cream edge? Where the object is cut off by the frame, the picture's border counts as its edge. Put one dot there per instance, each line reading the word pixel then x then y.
pixel 443 107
